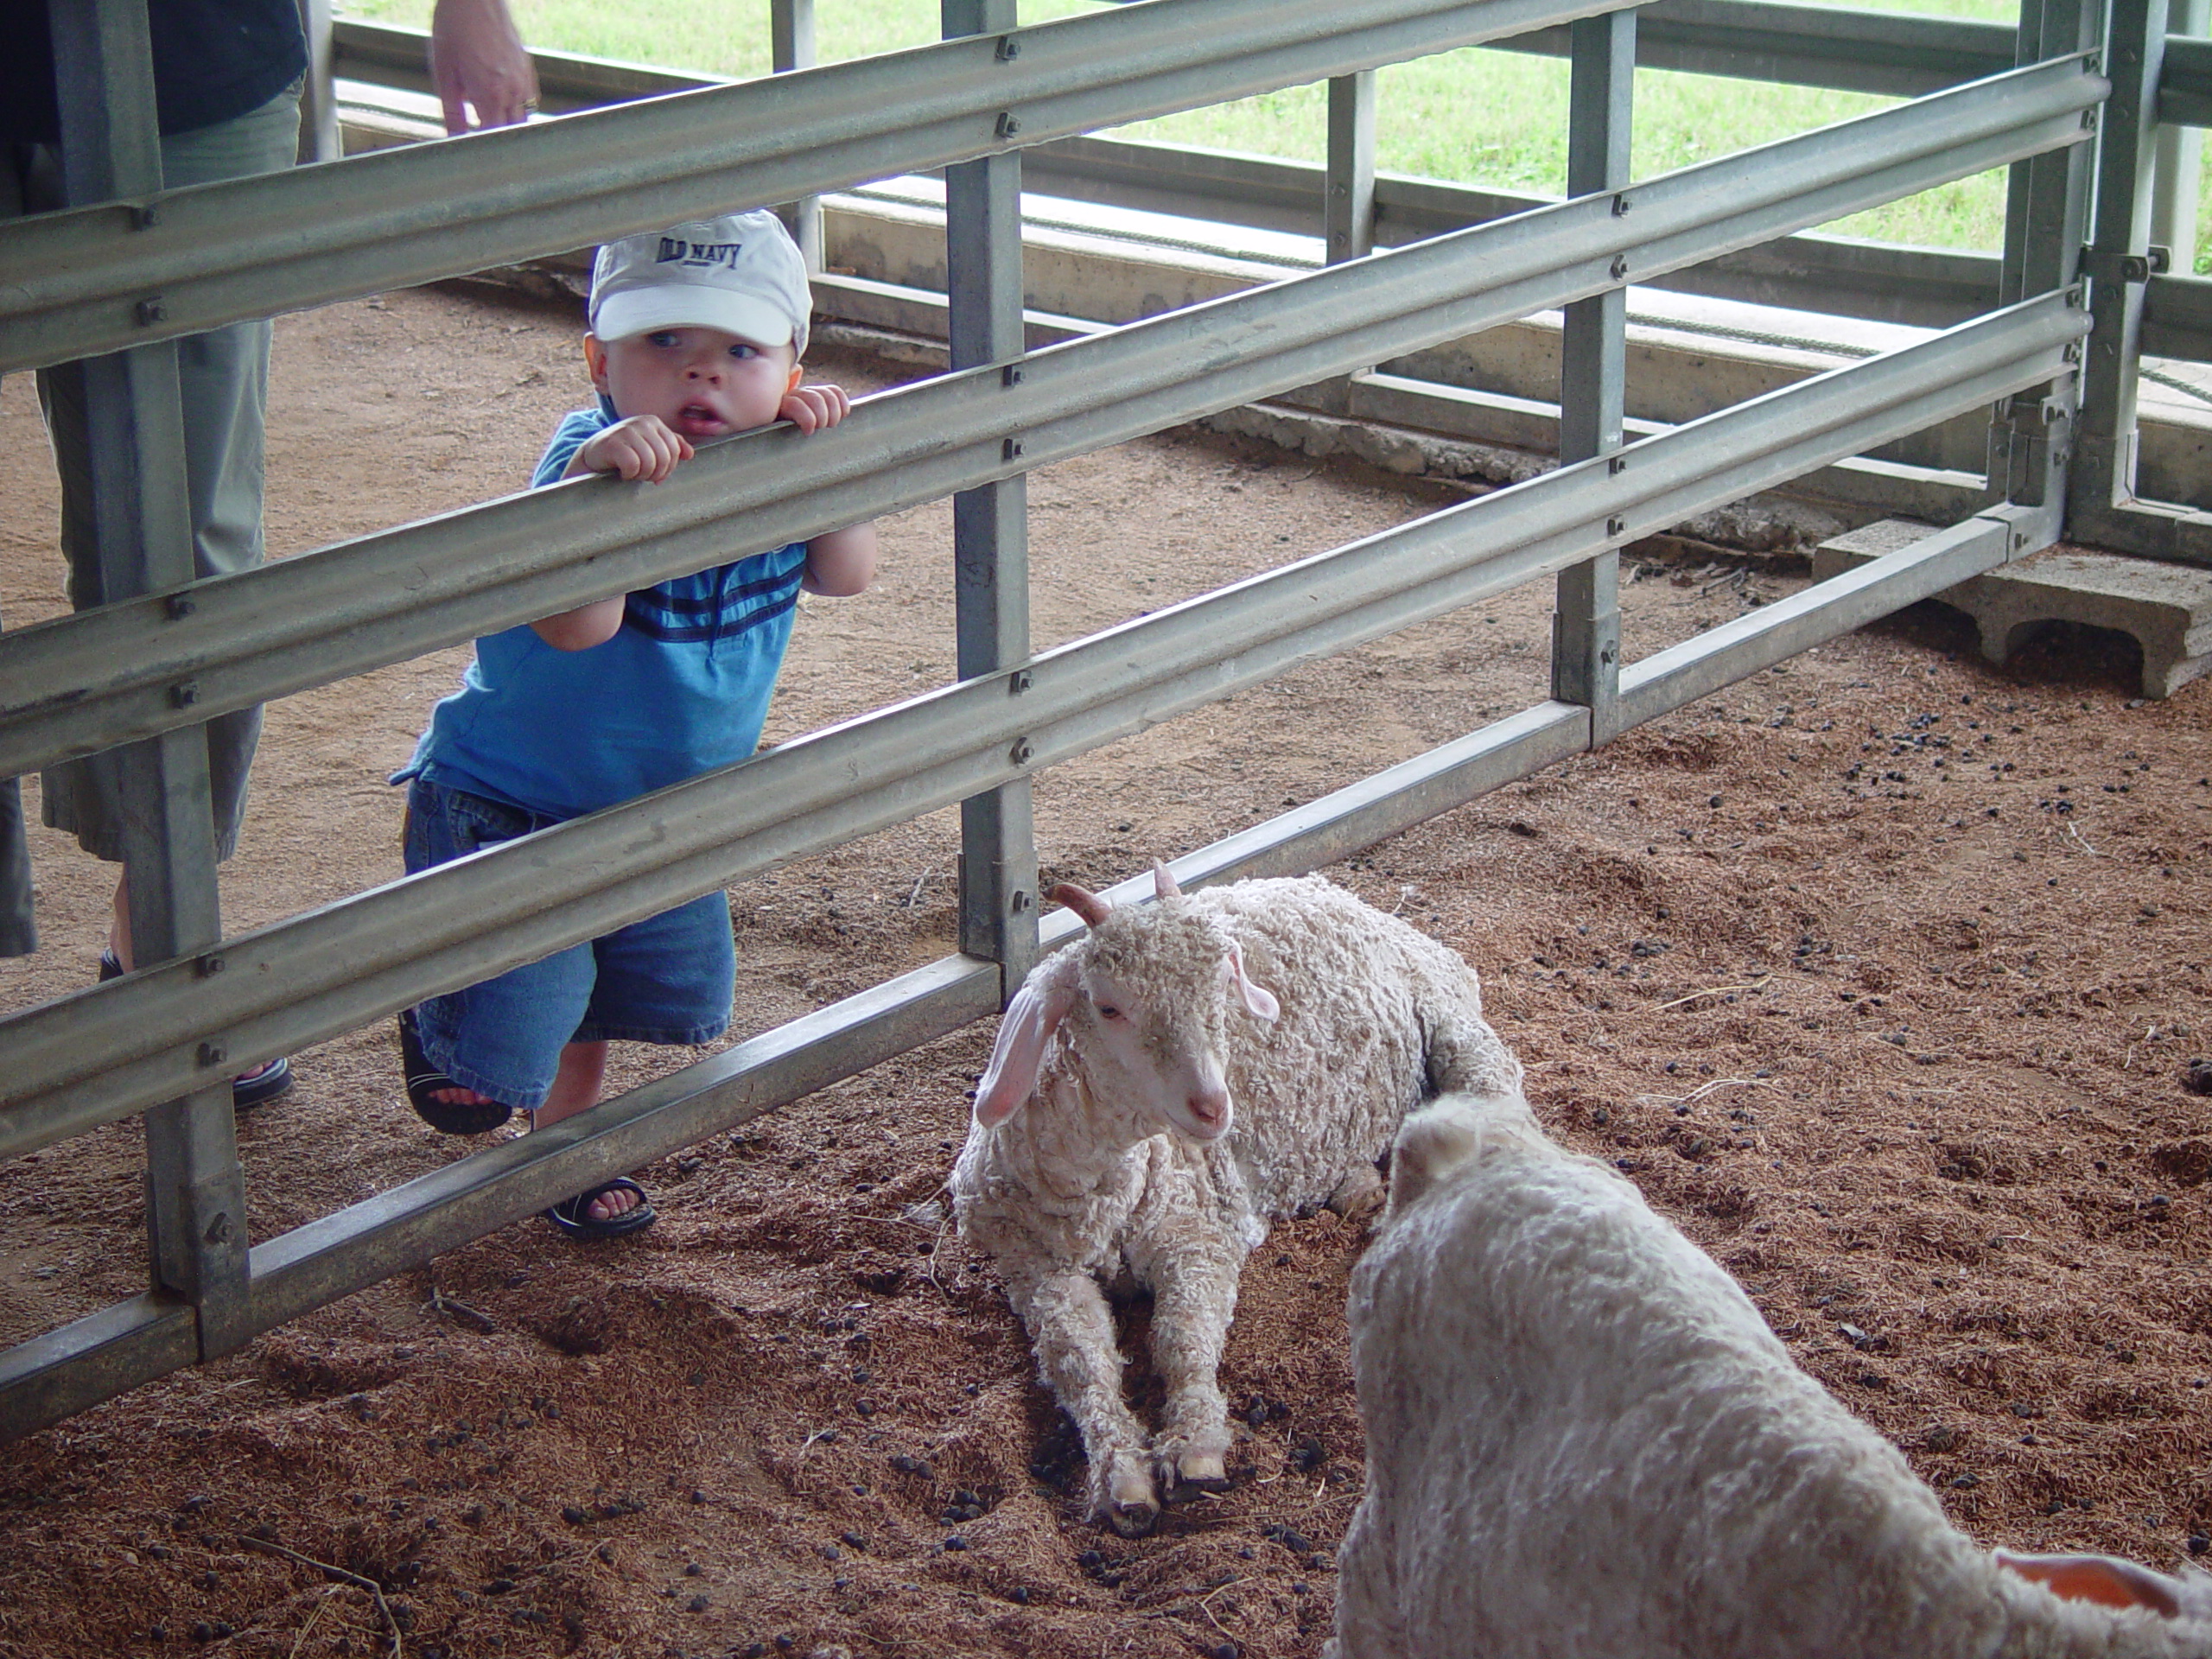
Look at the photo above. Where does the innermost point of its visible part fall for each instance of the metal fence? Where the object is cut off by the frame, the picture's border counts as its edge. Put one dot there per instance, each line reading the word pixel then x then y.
pixel 1812 45
pixel 133 267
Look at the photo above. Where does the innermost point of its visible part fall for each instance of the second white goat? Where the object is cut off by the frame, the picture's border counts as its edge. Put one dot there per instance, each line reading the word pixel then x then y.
pixel 1583 1438
pixel 1160 1091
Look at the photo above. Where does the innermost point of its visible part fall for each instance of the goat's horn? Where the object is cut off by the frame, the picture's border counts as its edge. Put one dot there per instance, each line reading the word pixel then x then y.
pixel 1083 902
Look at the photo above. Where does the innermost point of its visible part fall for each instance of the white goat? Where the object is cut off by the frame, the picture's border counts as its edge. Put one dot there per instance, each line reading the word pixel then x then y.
pixel 1163 1088
pixel 1583 1438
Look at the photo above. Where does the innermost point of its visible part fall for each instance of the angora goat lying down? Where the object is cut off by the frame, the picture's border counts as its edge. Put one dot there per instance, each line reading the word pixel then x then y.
pixel 1583 1440
pixel 1160 1091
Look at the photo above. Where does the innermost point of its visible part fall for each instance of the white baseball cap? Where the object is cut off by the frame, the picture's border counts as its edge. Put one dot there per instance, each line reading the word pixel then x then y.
pixel 741 273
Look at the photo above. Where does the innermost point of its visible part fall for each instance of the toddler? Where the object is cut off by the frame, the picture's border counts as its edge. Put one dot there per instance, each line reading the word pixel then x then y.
pixel 696 333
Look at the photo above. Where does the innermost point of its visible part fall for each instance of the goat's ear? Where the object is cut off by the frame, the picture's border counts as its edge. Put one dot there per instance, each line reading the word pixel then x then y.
pixel 1431 1143
pixel 1259 1001
pixel 1027 1026
pixel 1163 882
pixel 1085 903
pixel 2100 1578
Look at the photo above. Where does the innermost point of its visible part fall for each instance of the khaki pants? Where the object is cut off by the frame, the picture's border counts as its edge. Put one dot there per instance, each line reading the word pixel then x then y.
pixel 223 378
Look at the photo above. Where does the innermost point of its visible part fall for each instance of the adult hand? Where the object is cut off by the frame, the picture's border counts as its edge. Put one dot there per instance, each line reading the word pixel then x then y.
pixel 478 64
pixel 812 408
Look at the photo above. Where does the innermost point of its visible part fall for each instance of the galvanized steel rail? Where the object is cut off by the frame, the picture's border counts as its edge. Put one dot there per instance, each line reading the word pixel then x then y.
pixel 116 1048
pixel 105 275
pixel 317 976
pixel 79 684
pixel 102 278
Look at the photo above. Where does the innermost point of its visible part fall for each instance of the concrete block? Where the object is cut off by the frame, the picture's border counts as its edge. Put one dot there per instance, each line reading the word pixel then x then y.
pixel 1869 542
pixel 2167 608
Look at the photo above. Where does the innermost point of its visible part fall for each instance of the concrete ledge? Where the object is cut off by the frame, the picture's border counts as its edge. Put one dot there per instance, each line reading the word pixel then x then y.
pixel 2167 608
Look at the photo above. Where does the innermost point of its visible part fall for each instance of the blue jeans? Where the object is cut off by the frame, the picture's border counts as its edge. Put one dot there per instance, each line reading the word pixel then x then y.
pixel 667 979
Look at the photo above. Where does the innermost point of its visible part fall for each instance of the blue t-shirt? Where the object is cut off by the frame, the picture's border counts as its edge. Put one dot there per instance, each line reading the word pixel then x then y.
pixel 682 688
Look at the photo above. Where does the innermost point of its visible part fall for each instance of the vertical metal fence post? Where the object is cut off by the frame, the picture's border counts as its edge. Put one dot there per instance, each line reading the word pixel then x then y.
pixel 319 139
pixel 1348 217
pixel 2181 157
pixel 790 46
pixel 2118 261
pixel 990 525
pixel 1587 622
pixel 2035 434
pixel 195 1208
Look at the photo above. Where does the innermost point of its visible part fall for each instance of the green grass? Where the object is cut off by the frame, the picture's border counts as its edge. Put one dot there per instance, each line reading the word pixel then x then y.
pixel 723 37
pixel 1499 118
pixel 1495 118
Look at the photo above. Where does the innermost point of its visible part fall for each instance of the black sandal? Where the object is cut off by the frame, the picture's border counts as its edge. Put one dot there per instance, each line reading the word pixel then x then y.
pixel 425 1080
pixel 568 1215
pixel 255 1088
pixel 262 1084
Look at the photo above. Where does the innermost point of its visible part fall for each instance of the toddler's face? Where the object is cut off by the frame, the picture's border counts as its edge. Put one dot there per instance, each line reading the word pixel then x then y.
pixel 705 383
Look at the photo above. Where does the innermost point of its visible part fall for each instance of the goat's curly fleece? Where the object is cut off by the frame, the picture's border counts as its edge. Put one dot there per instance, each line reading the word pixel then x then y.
pixel 1083 1184
pixel 1583 1438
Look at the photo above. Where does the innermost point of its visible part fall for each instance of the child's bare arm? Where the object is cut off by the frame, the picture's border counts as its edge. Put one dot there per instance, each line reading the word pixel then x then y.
pixel 583 628
pixel 640 447
pixel 841 562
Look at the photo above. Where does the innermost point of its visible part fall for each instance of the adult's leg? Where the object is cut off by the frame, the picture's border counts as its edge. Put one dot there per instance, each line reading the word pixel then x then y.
pixel 18 933
pixel 223 379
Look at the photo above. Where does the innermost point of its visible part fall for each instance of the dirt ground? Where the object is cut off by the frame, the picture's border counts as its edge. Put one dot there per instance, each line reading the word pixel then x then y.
pixel 1879 973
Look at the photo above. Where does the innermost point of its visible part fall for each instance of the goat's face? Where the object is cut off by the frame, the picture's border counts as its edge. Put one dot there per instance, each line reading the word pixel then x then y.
pixel 1146 999
pixel 1159 988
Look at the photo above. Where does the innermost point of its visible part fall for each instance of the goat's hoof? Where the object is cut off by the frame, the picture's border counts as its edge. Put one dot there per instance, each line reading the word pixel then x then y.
pixel 1188 1474
pixel 1131 1504
pixel 1133 1517
pixel 1202 1474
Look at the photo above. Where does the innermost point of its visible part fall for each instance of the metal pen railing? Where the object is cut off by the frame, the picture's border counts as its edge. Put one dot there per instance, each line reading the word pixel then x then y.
pixel 163 1040
pixel 1814 46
